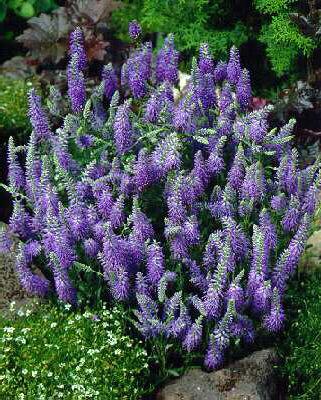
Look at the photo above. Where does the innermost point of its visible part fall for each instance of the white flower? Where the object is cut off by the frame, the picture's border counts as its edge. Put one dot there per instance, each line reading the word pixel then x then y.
pixel 67 306
pixel 53 325
pixel 34 374
pixel 9 329
pixel 24 371
pixel 28 312
pixel 50 374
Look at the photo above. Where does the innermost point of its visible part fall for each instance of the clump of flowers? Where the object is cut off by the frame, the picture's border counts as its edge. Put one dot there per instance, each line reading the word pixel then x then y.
pixel 193 211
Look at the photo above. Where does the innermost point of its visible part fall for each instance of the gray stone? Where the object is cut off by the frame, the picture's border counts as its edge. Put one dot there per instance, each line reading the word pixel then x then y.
pixel 252 378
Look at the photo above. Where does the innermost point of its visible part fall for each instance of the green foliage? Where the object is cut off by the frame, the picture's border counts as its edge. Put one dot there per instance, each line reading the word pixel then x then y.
pixel 302 347
pixel 192 22
pixel 284 43
pixel 25 9
pixel 273 6
pixel 54 352
pixel 13 106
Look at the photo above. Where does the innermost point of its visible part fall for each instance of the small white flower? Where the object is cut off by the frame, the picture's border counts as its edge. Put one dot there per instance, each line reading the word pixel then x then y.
pixel 50 374
pixel 67 306
pixel 28 312
pixel 34 374
pixel 24 371
pixel 53 325
pixel 9 329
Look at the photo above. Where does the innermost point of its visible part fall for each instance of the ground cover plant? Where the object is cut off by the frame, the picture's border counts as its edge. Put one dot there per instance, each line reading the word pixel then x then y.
pixel 50 352
pixel 190 212
pixel 301 347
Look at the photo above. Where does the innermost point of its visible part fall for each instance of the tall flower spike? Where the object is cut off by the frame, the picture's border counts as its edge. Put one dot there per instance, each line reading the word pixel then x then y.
pixel 220 72
pixel 110 81
pixel 205 63
pixel 155 263
pixel 236 173
pixel 274 321
pixel 16 175
pixel 254 184
pixel 243 89
pixel 194 335
pixel 32 283
pixel 77 47
pixel 234 66
pixel 167 61
pixel 76 85
pixel 38 118
pixel 123 131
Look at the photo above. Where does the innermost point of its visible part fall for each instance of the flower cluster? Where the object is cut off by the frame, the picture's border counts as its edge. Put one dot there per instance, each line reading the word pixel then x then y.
pixel 192 210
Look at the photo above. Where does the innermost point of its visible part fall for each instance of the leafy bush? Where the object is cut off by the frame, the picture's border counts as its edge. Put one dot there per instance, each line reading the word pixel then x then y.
pixel 57 353
pixel 289 30
pixel 301 349
pixel 193 212
pixel 14 105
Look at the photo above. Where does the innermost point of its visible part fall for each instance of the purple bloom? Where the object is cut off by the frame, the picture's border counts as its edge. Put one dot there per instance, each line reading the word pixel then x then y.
pixel 254 185
pixel 220 72
pixel 134 30
pixel 166 155
pixel 116 214
pixel 155 263
pixel 144 172
pixel 258 129
pixel 16 175
pixel 234 66
pixel 214 357
pixel 32 283
pixel 292 215
pixel 85 141
pixel 142 227
pixel 225 99
pixel 123 132
pixel 64 288
pixel 110 81
pixel 91 247
pixel 205 63
pixel 274 320
pixel 76 47
pixel 236 173
pixel 243 89
pixel 167 62
pixel 278 202
pixel 193 337
pixel 76 85
pixel 38 118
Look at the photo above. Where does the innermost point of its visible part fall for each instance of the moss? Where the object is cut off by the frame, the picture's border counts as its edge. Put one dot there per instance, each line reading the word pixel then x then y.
pixel 13 106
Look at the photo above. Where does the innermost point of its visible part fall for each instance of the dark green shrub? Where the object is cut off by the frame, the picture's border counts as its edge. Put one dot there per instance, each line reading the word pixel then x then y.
pixel 302 346
pixel 53 353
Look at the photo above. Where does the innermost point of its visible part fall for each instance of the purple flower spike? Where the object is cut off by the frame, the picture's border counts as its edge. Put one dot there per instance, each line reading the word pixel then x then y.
pixel 76 85
pixel 123 131
pixel 77 47
pixel 274 321
pixel 110 81
pixel 243 89
pixel 205 63
pixel 234 66
pixel 220 72
pixel 167 62
pixel 38 118
pixel 134 30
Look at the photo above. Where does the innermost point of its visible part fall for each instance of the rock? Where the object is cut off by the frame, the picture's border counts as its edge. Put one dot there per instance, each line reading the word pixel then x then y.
pixel 251 378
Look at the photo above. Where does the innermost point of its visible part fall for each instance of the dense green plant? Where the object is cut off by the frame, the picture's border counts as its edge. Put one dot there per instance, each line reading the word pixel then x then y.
pixel 25 8
pixel 54 352
pixel 14 105
pixel 302 346
pixel 287 29
pixel 192 22
pixel 281 33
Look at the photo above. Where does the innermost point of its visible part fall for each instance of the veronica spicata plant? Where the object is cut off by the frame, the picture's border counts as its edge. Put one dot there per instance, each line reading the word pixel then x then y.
pixel 191 211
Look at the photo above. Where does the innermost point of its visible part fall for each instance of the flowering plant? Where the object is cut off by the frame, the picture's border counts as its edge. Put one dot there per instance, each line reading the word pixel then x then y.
pixel 192 211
